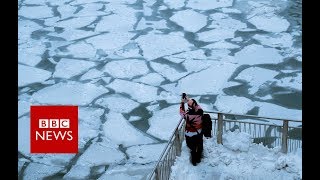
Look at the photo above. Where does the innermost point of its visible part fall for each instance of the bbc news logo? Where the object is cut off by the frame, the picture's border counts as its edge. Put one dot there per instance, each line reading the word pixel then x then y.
pixel 54 129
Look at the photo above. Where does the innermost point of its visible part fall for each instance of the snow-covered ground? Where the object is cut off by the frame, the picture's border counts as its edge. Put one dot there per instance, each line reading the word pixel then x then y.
pixel 125 64
pixel 238 158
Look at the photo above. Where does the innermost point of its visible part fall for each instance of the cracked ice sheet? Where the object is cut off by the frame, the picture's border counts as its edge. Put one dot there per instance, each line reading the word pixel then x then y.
pixel 143 154
pixel 78 172
pixel 143 24
pixel 66 11
pixel 91 74
pixel 208 4
pixel 25 28
pixel 126 68
pixel 24 135
pixel 233 104
pixel 67 68
pixel 167 71
pixel 256 77
pixel 140 92
pixel 91 9
pixel 40 171
pixel 270 24
pixel 231 10
pixel 177 4
pixel 291 82
pixel 283 40
pixel 28 75
pixel 170 44
pixel 110 41
pixel 272 110
pixel 117 103
pixel 199 83
pixel 196 65
pixel 216 35
pixel 69 93
pixel 73 34
pixel 222 45
pixel 81 50
pixel 89 124
pixel 164 121
pixel 120 131
pixel 196 54
pixel 257 54
pixel 153 79
pixel 23 107
pixel 190 20
pixel 35 12
pixel 30 52
pixel 128 171
pixel 74 23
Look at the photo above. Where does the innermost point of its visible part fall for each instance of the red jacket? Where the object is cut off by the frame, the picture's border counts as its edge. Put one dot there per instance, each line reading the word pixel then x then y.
pixel 192 117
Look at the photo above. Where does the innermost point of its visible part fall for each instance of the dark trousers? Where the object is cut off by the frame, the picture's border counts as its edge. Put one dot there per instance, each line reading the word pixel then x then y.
pixel 195 144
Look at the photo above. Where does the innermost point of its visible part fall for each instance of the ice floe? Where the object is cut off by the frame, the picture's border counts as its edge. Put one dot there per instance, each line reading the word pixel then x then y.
pixel 190 20
pixel 237 39
pixel 278 40
pixel 23 107
pixel 196 65
pixel 91 74
pixel 117 23
pixel 170 44
pixel 233 104
pixel 134 118
pixel 294 82
pixel 163 122
pixel 140 92
pixel 272 110
pixel 231 10
pixel 73 34
pixel 216 35
pixel 257 54
pixel 196 54
pixel 40 171
pixel 167 71
pixel 30 52
pixel 25 28
pixel 73 23
pixel 209 4
pixel 174 4
pixel 126 68
pixel 66 11
pixel 82 50
pixel 69 93
pixel 80 2
pixel 256 77
pixel 201 83
pixel 118 103
pixel 41 12
pixel 100 153
pixel 91 9
pixel 120 131
pixel 153 79
pixel 78 172
pixel 145 153
pixel 67 68
pixel 222 45
pixel 143 24
pixel 28 75
pixel 24 135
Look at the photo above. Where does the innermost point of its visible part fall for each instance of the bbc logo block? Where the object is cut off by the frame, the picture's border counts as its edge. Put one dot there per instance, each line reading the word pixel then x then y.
pixel 54 129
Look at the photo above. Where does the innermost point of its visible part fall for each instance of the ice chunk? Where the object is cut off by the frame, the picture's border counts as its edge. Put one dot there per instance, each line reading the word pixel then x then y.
pixel 216 35
pixel 143 24
pixel 291 82
pixel 78 172
pixel 130 50
pixel 23 107
pixel 199 83
pixel 33 2
pixel 126 68
pixel 35 12
pixel 222 45
pixel 52 159
pixel 121 176
pixel 25 28
pixel 24 135
pixel 277 40
pixel 270 24
pixel 91 74
pixel 196 65
pixel 237 39
pixel 69 93
pixel 170 44
pixel 175 4
pixel 153 79
pixel 233 104
pixel 256 77
pixel 40 171
pixel 120 131
pixel 28 75
pixel 100 153
pixel 143 154
pixel 147 11
pixel 118 103
pixel 117 22
pixel 209 4
pixel 134 118
pixel 272 110
pixel 76 22
pixel 237 141
pixel 67 68
pixel 128 171
pixel 196 54
pixel 190 20
pixel 91 9
pixel 174 59
pixel 167 71
pixel 163 122
pixel 80 2
pixel 73 34
pixel 257 54
pixel 140 92
pixel 66 11
pixel 30 52
pixel 110 41
pixel 231 10
pixel 82 50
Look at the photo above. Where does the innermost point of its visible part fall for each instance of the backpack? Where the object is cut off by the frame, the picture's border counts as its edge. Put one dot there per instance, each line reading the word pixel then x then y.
pixel 206 125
